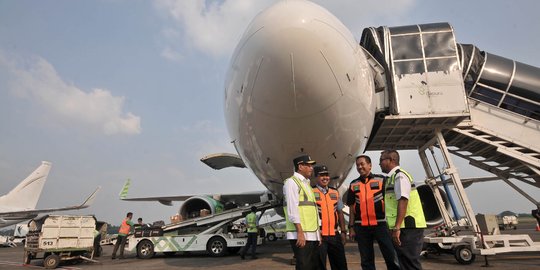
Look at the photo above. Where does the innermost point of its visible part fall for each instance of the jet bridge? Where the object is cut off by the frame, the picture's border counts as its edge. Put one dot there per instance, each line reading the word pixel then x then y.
pixel 434 93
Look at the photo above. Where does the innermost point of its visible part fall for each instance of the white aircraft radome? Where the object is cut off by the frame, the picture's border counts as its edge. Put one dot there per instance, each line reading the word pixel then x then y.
pixel 20 203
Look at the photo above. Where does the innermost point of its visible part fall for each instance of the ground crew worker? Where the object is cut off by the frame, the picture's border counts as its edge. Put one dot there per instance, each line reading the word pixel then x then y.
pixel 123 232
pixel 367 219
pixel 330 209
pixel 253 231
pixel 302 219
pixel 404 212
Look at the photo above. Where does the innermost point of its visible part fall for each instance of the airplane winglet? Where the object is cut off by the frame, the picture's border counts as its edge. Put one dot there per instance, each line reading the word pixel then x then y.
pixel 90 198
pixel 124 191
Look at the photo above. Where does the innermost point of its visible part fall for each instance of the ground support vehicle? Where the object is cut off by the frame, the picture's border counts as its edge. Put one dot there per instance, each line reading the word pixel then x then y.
pixel 216 234
pixel 271 231
pixel 507 222
pixel 467 240
pixel 56 238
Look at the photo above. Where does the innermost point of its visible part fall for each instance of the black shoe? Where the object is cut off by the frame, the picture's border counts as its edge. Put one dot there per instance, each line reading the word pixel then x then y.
pixel 254 257
pixel 242 257
pixel 112 258
pixel 121 257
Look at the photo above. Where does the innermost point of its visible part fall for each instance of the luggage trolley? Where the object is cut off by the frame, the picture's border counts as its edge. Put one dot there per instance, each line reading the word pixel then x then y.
pixel 56 238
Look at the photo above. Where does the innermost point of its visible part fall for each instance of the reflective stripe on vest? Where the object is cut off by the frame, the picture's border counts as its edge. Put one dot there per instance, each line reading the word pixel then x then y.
pixel 327 207
pixel 251 220
pixel 369 204
pixel 414 205
pixel 124 228
pixel 307 209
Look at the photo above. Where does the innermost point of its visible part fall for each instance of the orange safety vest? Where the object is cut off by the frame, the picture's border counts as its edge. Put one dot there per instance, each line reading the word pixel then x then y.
pixel 124 228
pixel 368 206
pixel 327 207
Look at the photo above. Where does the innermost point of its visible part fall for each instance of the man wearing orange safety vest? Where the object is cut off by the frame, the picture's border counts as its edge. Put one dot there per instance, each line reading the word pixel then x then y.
pixel 330 208
pixel 367 219
pixel 123 232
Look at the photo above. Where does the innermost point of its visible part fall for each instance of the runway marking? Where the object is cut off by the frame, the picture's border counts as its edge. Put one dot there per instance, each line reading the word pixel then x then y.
pixel 33 266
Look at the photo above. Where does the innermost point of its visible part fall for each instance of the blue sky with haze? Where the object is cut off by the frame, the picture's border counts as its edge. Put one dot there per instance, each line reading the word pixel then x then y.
pixel 116 89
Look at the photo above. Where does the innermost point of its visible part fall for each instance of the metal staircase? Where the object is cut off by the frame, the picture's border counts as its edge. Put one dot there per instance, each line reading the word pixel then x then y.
pixel 436 94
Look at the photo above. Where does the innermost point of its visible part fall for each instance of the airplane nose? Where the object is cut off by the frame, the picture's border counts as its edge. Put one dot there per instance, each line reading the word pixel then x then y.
pixel 298 82
pixel 303 61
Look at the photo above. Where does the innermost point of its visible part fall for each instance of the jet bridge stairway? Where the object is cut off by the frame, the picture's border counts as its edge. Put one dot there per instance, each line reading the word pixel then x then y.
pixel 432 93
pixel 498 152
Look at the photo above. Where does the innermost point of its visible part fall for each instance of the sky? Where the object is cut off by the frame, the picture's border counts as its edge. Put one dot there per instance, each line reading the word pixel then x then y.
pixel 108 90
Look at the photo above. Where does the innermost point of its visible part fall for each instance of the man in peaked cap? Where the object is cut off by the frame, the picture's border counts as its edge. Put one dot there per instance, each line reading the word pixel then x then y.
pixel 302 219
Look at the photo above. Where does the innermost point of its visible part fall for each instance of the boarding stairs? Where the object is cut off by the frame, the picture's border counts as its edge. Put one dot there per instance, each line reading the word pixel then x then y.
pixel 501 152
pixel 433 93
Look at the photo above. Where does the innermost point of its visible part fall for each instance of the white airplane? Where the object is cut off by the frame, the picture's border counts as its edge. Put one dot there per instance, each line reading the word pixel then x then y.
pixel 20 203
pixel 300 83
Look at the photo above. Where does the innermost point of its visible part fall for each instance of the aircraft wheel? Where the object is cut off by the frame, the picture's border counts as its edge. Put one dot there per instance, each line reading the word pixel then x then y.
pixel 145 249
pixel 51 261
pixel 464 254
pixel 271 237
pixel 216 246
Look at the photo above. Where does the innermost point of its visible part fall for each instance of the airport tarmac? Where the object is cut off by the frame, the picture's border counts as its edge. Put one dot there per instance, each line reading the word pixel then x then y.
pixel 277 255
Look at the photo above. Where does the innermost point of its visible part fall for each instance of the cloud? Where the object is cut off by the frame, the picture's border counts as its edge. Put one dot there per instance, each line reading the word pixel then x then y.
pixel 214 27
pixel 36 80
pixel 211 27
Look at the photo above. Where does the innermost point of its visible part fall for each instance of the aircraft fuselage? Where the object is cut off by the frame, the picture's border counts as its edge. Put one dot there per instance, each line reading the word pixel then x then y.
pixel 298 83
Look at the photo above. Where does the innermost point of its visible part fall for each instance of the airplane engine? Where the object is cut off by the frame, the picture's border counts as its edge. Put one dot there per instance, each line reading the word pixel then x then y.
pixel 429 205
pixel 196 206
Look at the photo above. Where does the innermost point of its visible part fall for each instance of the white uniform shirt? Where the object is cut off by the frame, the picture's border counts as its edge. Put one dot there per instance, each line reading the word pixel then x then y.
pixel 291 194
pixel 402 185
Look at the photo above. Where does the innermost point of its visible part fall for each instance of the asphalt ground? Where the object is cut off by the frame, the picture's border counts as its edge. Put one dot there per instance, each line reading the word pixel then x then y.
pixel 278 255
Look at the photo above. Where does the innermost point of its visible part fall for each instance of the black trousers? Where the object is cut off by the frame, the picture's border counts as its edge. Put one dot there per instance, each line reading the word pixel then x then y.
pixel 120 242
pixel 411 246
pixel 333 248
pixel 251 242
pixel 365 236
pixel 308 257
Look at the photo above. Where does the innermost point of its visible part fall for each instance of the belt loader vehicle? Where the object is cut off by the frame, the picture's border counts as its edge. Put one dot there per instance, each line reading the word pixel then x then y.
pixel 216 234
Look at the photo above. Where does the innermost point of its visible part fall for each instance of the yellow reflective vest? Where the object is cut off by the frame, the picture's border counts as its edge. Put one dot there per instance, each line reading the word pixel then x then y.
pixel 414 217
pixel 251 220
pixel 307 207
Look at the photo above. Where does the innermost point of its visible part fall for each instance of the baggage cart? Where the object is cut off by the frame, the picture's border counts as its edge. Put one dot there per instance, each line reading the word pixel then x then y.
pixel 56 238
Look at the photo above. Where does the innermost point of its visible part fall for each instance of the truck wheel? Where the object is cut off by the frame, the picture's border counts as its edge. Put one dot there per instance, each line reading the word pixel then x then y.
pixel 51 261
pixel 464 254
pixel 271 237
pixel 145 249
pixel 216 246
